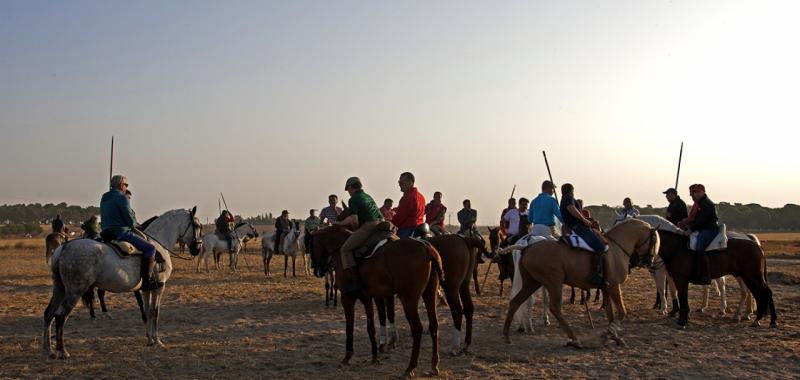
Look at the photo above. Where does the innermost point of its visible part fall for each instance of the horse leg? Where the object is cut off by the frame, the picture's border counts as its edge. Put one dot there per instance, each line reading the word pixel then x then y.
pixel 682 284
pixel 469 310
pixel 660 276
pixel 412 316
pixel 706 291
pixel 380 304
pixel 88 300
pixel 390 316
pixel 368 309
pixel 293 271
pixel 723 297
pixel 348 303
pixel 609 309
pixel 285 265
pixel 49 313
pixel 101 296
pixel 475 279
pixel 327 291
pixel 555 308
pixel 529 285
pixel 615 294
pixel 545 315
pixel 61 315
pixel 140 302
pixel 673 292
pixel 156 311
pixel 451 293
pixel 572 296
pixel 429 299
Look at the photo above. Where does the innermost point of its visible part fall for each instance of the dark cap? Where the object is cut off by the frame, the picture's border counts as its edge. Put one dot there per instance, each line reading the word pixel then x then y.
pixel 671 190
pixel 284 212
pixel 697 186
pixel 351 181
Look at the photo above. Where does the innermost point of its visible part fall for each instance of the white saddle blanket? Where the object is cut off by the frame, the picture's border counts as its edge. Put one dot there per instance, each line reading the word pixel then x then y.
pixel 719 243
pixel 577 242
pixel 377 247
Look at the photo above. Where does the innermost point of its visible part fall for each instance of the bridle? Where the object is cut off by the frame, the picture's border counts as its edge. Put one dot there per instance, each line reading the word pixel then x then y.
pixel 650 240
pixel 195 246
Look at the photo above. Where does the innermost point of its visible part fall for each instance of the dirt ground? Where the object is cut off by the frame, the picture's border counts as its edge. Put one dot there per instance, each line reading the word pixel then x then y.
pixel 223 325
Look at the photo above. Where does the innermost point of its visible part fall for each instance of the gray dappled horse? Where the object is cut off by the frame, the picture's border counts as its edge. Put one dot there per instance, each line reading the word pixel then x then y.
pixel 213 246
pixel 291 246
pixel 83 263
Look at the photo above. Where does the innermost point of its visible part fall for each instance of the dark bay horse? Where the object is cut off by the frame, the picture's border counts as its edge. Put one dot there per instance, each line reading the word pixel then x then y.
pixel 459 258
pixel 51 242
pixel 553 263
pixel 405 267
pixel 505 263
pixel 743 258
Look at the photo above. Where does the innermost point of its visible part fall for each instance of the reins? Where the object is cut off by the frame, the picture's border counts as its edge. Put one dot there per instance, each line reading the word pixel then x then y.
pixel 191 224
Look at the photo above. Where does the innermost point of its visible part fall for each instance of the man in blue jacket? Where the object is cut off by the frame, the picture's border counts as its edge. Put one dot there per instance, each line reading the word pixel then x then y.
pixel 544 211
pixel 118 222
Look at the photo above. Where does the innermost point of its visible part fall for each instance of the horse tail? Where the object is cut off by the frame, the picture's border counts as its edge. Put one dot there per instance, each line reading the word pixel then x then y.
pixel 755 239
pixel 88 297
pixel 436 259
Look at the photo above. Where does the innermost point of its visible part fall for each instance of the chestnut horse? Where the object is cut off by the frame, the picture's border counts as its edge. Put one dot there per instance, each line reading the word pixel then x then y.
pixel 406 267
pixel 743 258
pixel 459 258
pixel 553 263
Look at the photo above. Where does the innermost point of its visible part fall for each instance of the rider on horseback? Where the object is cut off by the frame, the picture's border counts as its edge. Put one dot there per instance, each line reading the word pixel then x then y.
pixel 544 211
pixel 411 207
pixel 59 227
pixel 574 220
pixel 703 219
pixel 434 214
pixel 119 223
pixel 365 218
pixel 282 227
pixel 225 225
pixel 91 227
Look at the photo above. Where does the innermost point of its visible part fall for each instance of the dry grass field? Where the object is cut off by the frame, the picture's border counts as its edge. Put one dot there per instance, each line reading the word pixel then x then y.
pixel 223 325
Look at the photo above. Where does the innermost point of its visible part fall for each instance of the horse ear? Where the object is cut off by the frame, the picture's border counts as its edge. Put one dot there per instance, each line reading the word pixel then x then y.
pixel 194 210
pixel 344 205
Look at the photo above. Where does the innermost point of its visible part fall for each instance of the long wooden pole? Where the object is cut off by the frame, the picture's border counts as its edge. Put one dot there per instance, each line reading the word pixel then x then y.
pixel 111 166
pixel 680 158
pixel 555 193
pixel 513 190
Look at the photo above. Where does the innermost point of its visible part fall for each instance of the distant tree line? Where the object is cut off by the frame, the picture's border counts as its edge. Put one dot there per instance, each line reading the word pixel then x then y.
pixel 21 218
pixel 37 213
pixel 737 216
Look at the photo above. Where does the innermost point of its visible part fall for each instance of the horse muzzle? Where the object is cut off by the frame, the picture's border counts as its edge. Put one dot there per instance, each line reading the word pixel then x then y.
pixel 195 248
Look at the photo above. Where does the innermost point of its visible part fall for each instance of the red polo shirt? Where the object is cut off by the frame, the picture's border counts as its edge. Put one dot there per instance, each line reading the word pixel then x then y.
pixel 410 210
pixel 432 211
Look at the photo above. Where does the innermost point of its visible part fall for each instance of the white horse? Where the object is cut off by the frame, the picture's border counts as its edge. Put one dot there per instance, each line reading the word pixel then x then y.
pixel 663 280
pixel 523 318
pixel 214 246
pixel 291 245
pixel 84 263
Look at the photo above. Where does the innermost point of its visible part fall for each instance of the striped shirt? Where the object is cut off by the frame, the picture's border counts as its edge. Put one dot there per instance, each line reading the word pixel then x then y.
pixel 329 214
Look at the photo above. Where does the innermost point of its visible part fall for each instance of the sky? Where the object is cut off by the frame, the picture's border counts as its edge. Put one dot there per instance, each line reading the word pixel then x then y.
pixel 276 103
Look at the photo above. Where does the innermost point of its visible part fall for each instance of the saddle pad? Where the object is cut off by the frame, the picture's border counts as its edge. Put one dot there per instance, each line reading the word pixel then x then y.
pixel 576 241
pixel 719 243
pixel 530 239
pixel 737 235
pixel 124 248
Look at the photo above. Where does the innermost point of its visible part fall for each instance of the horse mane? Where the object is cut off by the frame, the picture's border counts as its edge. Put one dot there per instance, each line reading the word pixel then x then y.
pixel 239 225
pixel 662 224
pixel 148 222
pixel 624 222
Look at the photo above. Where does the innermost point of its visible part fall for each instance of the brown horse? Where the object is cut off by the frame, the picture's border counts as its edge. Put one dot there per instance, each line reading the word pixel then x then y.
pixel 405 267
pixel 51 242
pixel 459 258
pixel 743 258
pixel 552 264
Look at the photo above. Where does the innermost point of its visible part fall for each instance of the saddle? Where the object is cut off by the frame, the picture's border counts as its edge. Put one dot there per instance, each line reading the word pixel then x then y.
pixel 384 234
pixel 124 249
pixel 720 242
pixel 574 241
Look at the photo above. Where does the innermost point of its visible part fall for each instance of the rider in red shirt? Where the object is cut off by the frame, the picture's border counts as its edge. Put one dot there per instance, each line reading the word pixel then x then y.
pixel 411 208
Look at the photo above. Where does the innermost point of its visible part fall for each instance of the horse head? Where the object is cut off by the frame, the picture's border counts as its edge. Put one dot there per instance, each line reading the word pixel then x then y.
pixel 325 244
pixel 496 237
pixel 194 241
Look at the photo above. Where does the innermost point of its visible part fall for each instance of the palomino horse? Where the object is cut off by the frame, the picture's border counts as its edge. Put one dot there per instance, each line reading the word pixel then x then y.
pixel 213 246
pixel 743 258
pixel 552 264
pixel 83 263
pixel 406 267
pixel 459 258
pixel 291 246
pixel 51 242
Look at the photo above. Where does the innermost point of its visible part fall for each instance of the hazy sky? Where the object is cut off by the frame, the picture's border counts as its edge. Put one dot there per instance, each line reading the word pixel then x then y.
pixel 277 103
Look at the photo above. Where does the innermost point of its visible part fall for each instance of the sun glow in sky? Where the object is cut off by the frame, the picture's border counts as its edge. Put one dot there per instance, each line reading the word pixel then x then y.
pixel 277 103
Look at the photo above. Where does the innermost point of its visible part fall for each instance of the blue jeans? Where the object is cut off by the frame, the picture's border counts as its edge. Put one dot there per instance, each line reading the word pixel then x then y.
pixel 704 238
pixel 405 232
pixel 590 237
pixel 147 248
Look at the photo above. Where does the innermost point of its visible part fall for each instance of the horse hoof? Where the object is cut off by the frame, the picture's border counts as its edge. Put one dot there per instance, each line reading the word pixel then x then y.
pixel 407 374
pixel 375 361
pixel 773 325
pixel 520 329
pixel 755 324
pixel 382 348
pixel 575 344
pixel 547 322
pixel 50 355
pixel 507 339
pixel 434 372
pixel 63 355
